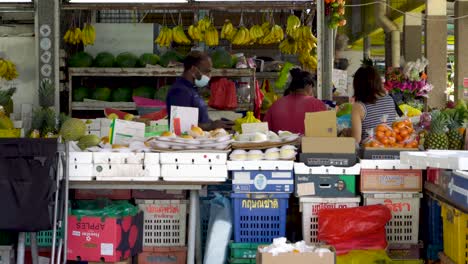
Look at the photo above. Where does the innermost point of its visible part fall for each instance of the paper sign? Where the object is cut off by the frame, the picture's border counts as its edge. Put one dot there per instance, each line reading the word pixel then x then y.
pixel 123 132
pixel 340 80
pixel 250 128
pixel 306 189
pixel 183 118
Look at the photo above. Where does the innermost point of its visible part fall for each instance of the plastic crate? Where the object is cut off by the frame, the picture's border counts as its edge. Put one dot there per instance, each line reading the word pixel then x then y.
pixel 244 250
pixel 7 255
pixel 164 222
pixel 259 218
pixel 164 255
pixel 310 207
pixel 44 238
pixel 455 234
pixel 432 252
pixel 404 225
pixel 435 236
pixel 242 261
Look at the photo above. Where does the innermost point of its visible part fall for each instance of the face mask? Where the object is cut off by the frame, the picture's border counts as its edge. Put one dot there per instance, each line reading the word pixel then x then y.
pixel 204 80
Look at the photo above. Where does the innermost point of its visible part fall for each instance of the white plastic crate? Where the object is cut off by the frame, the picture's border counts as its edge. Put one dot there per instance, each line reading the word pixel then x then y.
pixel 443 159
pixel 310 207
pixel 404 225
pixel 164 222
pixel 7 255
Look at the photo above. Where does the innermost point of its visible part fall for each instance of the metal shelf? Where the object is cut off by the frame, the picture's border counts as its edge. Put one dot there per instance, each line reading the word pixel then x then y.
pixel 439 194
pixel 135 185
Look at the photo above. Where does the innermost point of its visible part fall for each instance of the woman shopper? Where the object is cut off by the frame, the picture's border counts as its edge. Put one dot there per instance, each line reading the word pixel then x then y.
pixel 288 112
pixel 371 103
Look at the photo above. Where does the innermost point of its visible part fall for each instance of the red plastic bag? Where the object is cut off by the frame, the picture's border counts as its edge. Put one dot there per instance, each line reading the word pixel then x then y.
pixel 223 94
pixel 354 228
pixel 259 95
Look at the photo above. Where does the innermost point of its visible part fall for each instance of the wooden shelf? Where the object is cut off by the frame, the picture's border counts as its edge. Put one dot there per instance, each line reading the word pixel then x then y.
pixel 152 72
pixel 98 105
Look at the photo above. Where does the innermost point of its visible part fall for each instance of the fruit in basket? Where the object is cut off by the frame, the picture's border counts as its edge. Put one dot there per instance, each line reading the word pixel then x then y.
pixel 437 138
pixel 122 94
pixel 179 37
pixel 88 141
pixel 101 94
pixel 456 120
pixel 186 137
pixel 81 59
pixel 104 60
pixel 167 134
pixel 196 132
pixel 144 91
pixel 126 60
pixel 148 59
pixel 73 129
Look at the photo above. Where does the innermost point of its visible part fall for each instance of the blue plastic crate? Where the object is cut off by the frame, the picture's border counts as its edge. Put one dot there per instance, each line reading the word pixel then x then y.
pixel 434 223
pixel 432 252
pixel 259 218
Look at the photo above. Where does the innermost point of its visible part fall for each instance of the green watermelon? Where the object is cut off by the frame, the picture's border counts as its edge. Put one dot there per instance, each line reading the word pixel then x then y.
pixel 122 94
pixel 104 60
pixel 101 94
pixel 80 93
pixel 148 59
pixel 144 91
pixel 170 56
pixel 80 59
pixel 221 59
pixel 161 93
pixel 126 60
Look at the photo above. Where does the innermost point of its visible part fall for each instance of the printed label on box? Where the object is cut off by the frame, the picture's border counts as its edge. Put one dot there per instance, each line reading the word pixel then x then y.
pixel 306 188
pixel 260 181
pixel 107 249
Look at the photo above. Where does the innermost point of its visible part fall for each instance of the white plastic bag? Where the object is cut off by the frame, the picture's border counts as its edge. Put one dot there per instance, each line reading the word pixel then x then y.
pixel 219 231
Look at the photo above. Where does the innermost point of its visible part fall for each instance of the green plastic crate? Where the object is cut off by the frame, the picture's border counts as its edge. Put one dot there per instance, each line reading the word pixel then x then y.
pixel 242 261
pixel 44 238
pixel 244 250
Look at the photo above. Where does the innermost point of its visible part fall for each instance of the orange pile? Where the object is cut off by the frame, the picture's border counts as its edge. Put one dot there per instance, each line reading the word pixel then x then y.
pixel 400 135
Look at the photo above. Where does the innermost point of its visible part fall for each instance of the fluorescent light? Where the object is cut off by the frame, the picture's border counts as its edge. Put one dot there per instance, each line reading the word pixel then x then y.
pixel 15 1
pixel 128 1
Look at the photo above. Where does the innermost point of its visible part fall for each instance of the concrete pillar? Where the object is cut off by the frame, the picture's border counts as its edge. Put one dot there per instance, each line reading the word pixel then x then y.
pixel 412 35
pixel 461 53
pixel 436 51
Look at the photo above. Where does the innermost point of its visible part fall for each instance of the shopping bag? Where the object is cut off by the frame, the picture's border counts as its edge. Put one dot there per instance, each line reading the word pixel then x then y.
pixel 223 94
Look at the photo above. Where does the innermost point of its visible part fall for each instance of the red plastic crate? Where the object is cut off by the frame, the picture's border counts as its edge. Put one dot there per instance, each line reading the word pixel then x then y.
pixel 164 255
pixel 109 194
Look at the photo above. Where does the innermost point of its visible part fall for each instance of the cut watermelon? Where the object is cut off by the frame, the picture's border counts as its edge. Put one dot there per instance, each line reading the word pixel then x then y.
pixel 156 115
pixel 120 114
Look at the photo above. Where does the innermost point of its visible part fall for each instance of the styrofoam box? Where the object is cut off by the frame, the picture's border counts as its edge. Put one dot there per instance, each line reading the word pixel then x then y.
pixel 301 168
pixel 127 171
pixel 80 171
pixel 151 158
pixel 205 173
pixel 270 165
pixel 443 159
pixel 79 157
pixel 194 158
pixel 388 165
pixel 118 158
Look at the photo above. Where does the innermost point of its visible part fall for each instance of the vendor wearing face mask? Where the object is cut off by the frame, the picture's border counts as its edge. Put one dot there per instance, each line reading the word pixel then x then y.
pixel 184 92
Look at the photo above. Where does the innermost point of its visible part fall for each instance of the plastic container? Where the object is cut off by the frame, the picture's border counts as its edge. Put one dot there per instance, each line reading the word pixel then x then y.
pixel 310 206
pixel 164 222
pixel 259 218
pixel 7 255
pixel 44 238
pixel 244 250
pixel 163 255
pixel 435 224
pixel 404 225
pixel 455 234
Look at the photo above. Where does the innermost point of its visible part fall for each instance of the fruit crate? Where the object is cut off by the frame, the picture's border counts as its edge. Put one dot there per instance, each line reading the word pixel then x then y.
pixel 164 222
pixel 310 206
pixel 44 238
pixel 259 218
pixel 404 225
pixel 435 224
pixel 244 250
pixel 455 234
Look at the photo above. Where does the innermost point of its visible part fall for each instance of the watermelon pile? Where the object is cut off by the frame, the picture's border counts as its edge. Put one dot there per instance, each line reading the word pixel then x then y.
pixel 80 60
pixel 80 93
pixel 101 94
pixel 144 91
pixel 104 60
pixel 126 60
pixel 121 94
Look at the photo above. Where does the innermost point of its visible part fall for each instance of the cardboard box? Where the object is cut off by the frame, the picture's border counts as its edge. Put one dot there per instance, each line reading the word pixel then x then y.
pixel 325 185
pixel 111 239
pixel 391 180
pixel 164 255
pixel 320 124
pixel 297 258
pixel 341 145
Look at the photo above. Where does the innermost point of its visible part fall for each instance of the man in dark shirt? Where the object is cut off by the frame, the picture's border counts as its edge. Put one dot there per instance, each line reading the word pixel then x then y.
pixel 184 92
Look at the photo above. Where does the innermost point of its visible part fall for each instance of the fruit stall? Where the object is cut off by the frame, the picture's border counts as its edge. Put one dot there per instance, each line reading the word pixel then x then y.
pixel 97 171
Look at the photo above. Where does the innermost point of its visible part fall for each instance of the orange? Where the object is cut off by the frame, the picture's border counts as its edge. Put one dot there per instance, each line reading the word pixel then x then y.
pixel 382 128
pixel 399 138
pixel 388 133
pixel 404 132
pixel 392 140
pixel 374 144
pixel 396 130
pixel 380 134
pixel 400 125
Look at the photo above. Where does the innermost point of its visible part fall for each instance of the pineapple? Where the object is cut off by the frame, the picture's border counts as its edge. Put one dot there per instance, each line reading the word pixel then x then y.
pixel 437 138
pixel 50 122
pixel 46 94
pixel 6 101
pixel 37 120
pixel 456 120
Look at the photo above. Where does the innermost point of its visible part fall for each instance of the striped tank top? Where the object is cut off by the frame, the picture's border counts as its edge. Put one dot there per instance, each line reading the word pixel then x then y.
pixel 373 114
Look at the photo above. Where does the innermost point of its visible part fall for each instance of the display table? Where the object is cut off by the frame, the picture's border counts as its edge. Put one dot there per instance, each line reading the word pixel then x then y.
pixel 193 187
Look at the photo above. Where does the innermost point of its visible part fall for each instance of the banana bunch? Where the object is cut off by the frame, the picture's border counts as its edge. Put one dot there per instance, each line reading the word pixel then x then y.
pixel 204 24
pixel 165 37
pixel 179 37
pixel 211 36
pixel 289 46
pixel 266 28
pixel 7 70
pixel 256 33
pixel 228 31
pixel 249 118
pixel 292 25
pixel 276 35
pixel 195 33
pixel 88 35
pixel 73 36
pixel 305 33
pixel 242 37
pixel 308 61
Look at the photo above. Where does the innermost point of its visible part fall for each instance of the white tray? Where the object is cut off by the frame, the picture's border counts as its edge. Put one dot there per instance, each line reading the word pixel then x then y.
pixel 193 158
pixel 260 165
pixel 193 171
pixel 301 168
